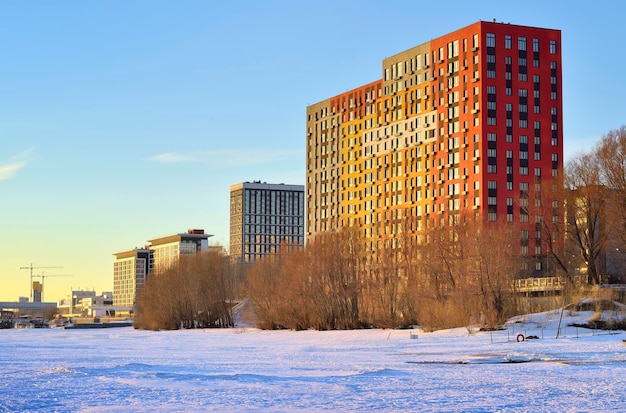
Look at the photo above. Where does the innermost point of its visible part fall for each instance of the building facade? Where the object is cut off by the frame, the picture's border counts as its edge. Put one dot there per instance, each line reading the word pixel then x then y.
pixel 467 123
pixel 265 219
pixel 168 249
pixel 130 270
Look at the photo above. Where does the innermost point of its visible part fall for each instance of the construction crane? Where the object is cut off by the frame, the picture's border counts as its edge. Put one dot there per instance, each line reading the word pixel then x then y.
pixel 43 277
pixel 31 268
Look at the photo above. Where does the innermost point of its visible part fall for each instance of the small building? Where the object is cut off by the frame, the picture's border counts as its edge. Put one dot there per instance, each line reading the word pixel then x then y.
pixel 89 304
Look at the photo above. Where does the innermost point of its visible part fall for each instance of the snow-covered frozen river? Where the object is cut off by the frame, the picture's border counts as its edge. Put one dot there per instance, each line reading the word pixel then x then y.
pixel 127 370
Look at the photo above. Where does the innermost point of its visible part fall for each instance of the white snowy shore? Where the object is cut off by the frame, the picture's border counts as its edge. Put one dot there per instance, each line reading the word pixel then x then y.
pixel 245 369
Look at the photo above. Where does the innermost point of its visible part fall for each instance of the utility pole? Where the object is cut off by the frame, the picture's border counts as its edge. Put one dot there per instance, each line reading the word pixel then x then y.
pixel 31 268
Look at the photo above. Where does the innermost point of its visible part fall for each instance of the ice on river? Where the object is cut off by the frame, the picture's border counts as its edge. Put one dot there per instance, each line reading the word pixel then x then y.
pixel 245 369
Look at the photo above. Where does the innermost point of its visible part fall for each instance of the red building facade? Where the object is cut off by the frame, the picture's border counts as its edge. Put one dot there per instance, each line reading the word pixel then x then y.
pixel 468 123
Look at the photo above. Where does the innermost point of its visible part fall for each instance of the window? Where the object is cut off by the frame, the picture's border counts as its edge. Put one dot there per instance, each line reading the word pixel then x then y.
pixel 523 123
pixel 523 170
pixel 491 169
pixel 522 77
pixel 507 42
pixel 521 43
pixel 491 40
pixel 537 171
pixel 509 154
pixel 507 60
pixel 552 46
pixel 523 139
pixel 535 45
pixel 492 184
pixel 491 137
pixel 491 74
pixel 491 90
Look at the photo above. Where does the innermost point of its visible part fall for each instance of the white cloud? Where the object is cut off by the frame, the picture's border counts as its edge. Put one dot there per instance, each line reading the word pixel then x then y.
pixel 8 171
pixel 227 158
pixel 171 158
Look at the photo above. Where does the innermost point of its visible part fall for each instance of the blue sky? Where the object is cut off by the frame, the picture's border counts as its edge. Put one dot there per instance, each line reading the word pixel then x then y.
pixel 123 121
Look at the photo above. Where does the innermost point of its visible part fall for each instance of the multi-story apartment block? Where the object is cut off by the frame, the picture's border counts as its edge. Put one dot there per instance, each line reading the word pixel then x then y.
pixel 168 249
pixel 467 123
pixel 130 270
pixel 265 219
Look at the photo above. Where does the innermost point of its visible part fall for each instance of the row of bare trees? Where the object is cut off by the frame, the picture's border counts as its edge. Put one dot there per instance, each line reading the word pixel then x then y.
pixel 196 292
pixel 455 276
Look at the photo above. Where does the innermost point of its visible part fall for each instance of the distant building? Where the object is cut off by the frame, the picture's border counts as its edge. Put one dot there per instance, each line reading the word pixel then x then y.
pixel 82 301
pixel 132 267
pixel 265 219
pixel 130 271
pixel 37 291
pixel 166 250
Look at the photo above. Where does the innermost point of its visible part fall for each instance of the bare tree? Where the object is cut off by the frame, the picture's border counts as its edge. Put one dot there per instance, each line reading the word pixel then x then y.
pixel 611 156
pixel 586 201
pixel 195 292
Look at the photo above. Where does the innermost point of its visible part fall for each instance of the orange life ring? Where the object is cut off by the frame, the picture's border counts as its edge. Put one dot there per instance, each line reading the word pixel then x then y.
pixel 520 337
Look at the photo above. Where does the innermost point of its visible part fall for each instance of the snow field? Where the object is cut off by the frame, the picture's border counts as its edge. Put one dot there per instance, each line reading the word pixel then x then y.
pixel 245 369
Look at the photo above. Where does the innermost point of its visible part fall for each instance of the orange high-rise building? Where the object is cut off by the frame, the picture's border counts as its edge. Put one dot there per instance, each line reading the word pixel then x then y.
pixel 468 123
